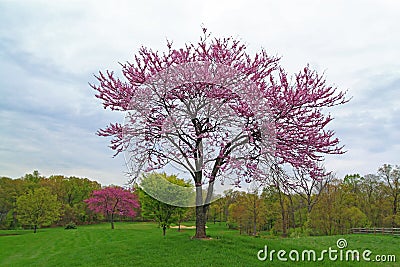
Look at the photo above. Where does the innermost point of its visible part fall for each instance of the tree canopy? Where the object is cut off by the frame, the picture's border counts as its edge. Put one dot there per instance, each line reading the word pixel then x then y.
pixel 114 200
pixel 38 208
pixel 215 111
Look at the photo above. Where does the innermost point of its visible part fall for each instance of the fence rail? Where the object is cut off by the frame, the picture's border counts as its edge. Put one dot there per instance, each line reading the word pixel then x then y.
pixel 385 231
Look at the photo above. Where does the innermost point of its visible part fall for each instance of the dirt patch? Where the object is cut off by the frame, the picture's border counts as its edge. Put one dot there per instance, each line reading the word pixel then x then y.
pixel 185 227
pixel 203 238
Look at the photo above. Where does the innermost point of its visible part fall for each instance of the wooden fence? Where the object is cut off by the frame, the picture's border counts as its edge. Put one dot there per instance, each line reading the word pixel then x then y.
pixel 385 231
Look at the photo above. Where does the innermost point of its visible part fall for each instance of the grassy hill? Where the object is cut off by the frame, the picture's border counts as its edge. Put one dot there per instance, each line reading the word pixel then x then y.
pixel 141 244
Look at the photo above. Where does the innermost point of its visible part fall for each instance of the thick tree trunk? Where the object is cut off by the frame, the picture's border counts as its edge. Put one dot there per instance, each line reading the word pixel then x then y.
pixel 164 229
pixel 201 208
pixel 201 213
pixel 112 221
pixel 34 228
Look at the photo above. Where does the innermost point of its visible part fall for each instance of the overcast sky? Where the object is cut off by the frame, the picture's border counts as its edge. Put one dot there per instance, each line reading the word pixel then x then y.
pixel 49 51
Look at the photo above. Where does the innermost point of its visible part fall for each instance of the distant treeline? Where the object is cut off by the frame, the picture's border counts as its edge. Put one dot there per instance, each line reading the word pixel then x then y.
pixel 291 205
pixel 298 205
pixel 69 191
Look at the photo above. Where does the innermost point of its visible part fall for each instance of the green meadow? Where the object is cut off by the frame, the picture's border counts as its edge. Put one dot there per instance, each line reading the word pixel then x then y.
pixel 142 244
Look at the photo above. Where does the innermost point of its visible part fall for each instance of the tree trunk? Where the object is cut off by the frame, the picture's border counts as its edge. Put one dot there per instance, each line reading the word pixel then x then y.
pixel 164 229
pixel 291 216
pixel 255 215
pixel 112 221
pixel 201 208
pixel 179 221
pixel 283 214
pixel 395 204
pixel 201 213
pixel 284 222
pixel 34 228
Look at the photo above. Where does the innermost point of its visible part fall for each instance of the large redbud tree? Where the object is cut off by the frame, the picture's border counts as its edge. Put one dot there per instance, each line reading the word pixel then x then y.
pixel 218 113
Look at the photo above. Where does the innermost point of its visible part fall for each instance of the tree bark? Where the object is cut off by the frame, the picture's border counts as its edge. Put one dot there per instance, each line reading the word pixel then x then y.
pixel 201 213
pixel 201 208
pixel 34 228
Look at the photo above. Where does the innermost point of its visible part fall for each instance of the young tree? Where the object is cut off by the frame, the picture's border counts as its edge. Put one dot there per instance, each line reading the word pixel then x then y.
pixel 154 186
pixel 112 201
pixel 38 208
pixel 215 111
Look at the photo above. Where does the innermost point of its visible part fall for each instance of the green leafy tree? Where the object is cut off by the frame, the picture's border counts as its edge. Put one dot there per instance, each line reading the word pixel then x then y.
pixel 324 216
pixel 216 210
pixel 391 177
pixel 32 180
pixel 161 185
pixel 7 193
pixel 38 208
pixel 354 217
pixel 371 198
pixel 270 195
pixel 248 212
pixel 71 191
pixel 10 190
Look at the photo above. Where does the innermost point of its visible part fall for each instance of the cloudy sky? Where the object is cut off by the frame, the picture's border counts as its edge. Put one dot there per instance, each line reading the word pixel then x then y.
pixel 49 51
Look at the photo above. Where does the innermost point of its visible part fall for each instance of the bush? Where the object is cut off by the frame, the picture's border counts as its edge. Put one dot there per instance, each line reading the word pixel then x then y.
pixel 71 225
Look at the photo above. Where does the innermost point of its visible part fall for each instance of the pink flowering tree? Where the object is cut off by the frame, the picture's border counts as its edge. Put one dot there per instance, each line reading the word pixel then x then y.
pixel 113 200
pixel 218 113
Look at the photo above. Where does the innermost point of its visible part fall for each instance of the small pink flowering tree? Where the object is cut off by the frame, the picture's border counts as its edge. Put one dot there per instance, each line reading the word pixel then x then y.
pixel 218 113
pixel 112 201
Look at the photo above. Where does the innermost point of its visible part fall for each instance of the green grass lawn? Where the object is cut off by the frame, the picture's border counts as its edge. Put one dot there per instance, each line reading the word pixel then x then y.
pixel 142 244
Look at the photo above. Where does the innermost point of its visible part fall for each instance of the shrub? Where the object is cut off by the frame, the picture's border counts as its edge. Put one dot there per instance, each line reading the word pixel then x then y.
pixel 70 225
